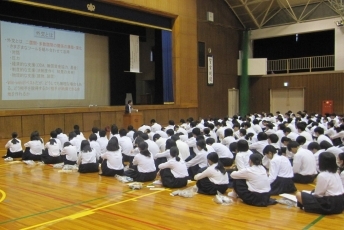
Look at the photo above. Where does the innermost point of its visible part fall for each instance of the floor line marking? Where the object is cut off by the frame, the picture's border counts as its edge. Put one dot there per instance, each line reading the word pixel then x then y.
pixel 3 195
pixel 313 222
pixel 89 211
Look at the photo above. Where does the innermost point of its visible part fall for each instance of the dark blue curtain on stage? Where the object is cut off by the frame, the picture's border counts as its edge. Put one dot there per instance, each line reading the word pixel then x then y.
pixel 167 65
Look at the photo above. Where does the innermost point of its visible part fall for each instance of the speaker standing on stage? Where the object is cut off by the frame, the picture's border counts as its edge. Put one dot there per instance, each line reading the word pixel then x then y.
pixel 129 107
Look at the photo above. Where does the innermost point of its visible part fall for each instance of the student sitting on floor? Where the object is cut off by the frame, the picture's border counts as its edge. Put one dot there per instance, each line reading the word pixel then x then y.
pixel 173 173
pixel 14 147
pixel 143 168
pixel 213 178
pixel 112 159
pixel 199 161
pixel 87 160
pixel 340 163
pixel 327 197
pixel 33 150
pixel 225 155
pixel 69 154
pixel 51 154
pixel 252 184
pixel 304 165
pixel 280 172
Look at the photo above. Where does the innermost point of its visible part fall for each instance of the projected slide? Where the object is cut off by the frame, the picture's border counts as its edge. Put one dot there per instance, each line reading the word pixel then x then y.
pixel 41 63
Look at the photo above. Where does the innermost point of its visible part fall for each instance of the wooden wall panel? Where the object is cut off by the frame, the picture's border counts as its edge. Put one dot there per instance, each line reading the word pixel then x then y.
pixel 74 119
pixel 149 115
pixel 107 118
pixel 32 123
pixel 173 114
pixel 182 114
pixel 223 38
pixel 162 116
pixel 318 87
pixel 9 125
pixel 91 120
pixel 119 119
pixel 53 121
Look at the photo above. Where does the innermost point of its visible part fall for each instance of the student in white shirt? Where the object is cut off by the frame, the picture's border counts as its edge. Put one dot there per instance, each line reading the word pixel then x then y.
pixel 61 136
pixel 184 151
pixel 51 154
pixel 14 147
pixel 164 156
pixel 102 141
pixel 200 159
pixel 340 163
pixel 304 165
pixel 95 145
pixel 252 184
pixel 319 133
pixel 87 159
pixel 280 172
pixel 143 168
pixel 229 138
pixel 315 148
pixel 173 173
pixel 69 154
pixel 225 155
pixel 243 156
pixel 33 148
pixel 131 132
pixel 126 146
pixel 327 197
pixel 260 144
pixel 112 159
pixel 74 140
pixel 212 179
pixel 330 148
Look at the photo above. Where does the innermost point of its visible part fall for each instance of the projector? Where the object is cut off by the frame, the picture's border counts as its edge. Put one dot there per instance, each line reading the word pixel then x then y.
pixel 339 23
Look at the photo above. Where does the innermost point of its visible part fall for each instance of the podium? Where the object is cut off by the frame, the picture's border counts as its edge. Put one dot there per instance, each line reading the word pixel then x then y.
pixel 134 119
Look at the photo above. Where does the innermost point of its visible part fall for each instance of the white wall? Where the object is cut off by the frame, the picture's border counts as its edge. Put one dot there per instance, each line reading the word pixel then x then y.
pixel 306 27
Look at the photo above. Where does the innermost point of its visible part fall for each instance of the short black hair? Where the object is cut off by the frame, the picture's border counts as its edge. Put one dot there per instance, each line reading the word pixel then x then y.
pixel 292 144
pixel 313 145
pixel 256 158
pixel 327 162
pixel 242 146
pixel 269 148
pixel 273 138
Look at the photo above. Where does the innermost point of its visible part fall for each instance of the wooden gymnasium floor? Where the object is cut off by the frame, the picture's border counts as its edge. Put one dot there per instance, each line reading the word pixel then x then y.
pixel 39 197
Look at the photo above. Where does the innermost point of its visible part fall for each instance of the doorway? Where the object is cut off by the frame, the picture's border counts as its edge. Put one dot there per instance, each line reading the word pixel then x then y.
pixel 284 100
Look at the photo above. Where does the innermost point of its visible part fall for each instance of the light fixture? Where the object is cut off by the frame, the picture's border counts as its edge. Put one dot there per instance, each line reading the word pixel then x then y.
pixel 285 84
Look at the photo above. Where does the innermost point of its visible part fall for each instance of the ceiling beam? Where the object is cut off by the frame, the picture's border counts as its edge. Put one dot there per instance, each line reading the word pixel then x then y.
pixel 250 13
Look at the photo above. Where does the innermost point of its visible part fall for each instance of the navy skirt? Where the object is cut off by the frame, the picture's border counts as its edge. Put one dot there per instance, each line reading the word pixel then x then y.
pixel 169 181
pixel 303 179
pixel 106 171
pixel 88 168
pixel 18 154
pixel 140 176
pixel 248 197
pixel 282 185
pixel 27 155
pixel 322 205
pixel 205 186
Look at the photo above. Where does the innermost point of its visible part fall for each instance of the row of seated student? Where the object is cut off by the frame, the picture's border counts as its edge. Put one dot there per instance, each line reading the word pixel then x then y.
pixel 147 161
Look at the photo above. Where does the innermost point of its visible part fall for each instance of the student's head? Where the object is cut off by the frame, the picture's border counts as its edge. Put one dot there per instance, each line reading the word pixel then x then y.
pixel 325 145
pixel 228 132
pixel 67 143
pixel 143 146
pixel 85 146
pixel 14 135
pixel 233 147
pixel 58 131
pixel 144 136
pixel 262 136
pixel 301 126
pixel 210 141
pixel 269 151
pixel 138 140
pixel 242 132
pixel 170 132
pixel 236 126
pixel 170 143
pixel 273 138
pixel 95 130
pixel 327 162
pixel 76 127
pixel 152 121
pixel 92 137
pixel 174 152
pixel 313 147
pixel 130 127
pixel 171 122
pixel 196 132
pixel 287 130
pixel 156 137
pixel 102 133
pixel 130 102
pixel 293 146
pixel 114 129
pixel 213 158
pixel 201 145
pixel 112 144
pixel 122 132
pixel 206 132
pixel 340 160
pixel 242 146
pixel 72 135
pixel 255 159
pixel 301 140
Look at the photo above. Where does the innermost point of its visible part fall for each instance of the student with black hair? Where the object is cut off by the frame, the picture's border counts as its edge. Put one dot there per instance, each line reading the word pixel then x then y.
pixel 212 179
pixel 126 146
pixel 243 155
pixel 14 147
pixel 95 145
pixel 315 148
pixel 330 148
pixel 164 156
pixel 112 159
pixel 74 140
pixel 304 165
pixel 302 142
pixel 33 148
pixel 200 159
pixel 51 154
pixel 143 168
pixel 229 138
pixel 280 172
pixel 260 144
pixel 102 141
pixel 340 163
pixel 61 136
pixel 225 156
pixel 173 173
pixel 87 159
pixel 130 132
pixel 327 197
pixel 319 133
pixel 252 184
pixel 69 154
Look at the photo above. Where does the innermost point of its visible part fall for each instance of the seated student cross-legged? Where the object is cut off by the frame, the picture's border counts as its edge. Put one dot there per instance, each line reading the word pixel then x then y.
pixel 14 147
pixel 173 173
pixel 112 159
pixel 327 197
pixel 87 160
pixel 213 178
pixel 252 184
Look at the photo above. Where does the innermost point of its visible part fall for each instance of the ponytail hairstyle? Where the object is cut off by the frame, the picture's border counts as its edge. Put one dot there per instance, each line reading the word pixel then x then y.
pixel 52 141
pixel 341 157
pixel 213 157
pixel 143 146
pixel 14 136
pixel 202 145
pixel 174 152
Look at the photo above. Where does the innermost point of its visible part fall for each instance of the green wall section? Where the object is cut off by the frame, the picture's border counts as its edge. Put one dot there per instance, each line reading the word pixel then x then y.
pixel 244 81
